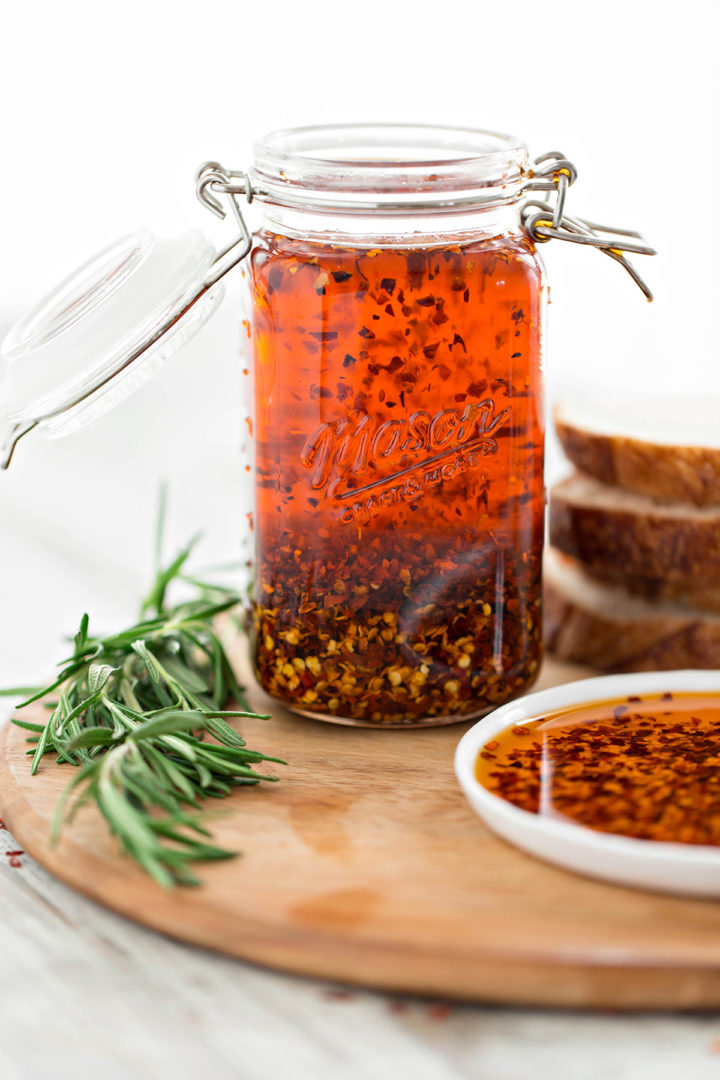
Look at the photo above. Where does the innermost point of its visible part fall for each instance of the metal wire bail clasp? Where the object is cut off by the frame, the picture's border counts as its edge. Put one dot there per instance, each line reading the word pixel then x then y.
pixel 211 182
pixel 543 221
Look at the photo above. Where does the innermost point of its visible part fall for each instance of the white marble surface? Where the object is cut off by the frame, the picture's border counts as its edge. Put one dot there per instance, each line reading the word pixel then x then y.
pixel 85 993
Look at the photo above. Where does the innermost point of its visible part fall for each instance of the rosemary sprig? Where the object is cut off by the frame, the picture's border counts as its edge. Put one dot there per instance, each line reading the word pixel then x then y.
pixel 132 711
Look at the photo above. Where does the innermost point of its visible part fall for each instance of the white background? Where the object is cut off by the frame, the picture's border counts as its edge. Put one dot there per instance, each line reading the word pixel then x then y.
pixel 108 110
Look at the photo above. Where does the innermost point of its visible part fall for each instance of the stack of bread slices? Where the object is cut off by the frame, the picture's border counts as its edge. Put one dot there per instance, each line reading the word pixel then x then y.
pixel 632 574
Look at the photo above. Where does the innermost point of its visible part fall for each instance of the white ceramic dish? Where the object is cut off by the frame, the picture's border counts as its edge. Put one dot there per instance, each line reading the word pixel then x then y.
pixel 684 869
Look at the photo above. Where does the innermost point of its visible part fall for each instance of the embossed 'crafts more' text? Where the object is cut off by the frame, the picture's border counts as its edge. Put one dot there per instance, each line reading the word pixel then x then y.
pixel 342 453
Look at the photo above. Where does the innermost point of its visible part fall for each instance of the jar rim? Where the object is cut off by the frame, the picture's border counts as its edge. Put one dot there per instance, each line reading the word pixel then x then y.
pixel 389 166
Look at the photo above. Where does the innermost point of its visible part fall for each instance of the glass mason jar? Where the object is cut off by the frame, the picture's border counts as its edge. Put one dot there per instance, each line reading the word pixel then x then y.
pixel 396 307
pixel 397 310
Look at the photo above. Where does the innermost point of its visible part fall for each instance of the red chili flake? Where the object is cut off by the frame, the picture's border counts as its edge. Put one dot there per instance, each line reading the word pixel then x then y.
pixel 397 1006
pixel 2 824
pixel 648 774
pixel 338 993
pixel 439 1011
pixel 275 279
pixel 416 266
pixel 477 389
pixel 323 335
pixel 395 364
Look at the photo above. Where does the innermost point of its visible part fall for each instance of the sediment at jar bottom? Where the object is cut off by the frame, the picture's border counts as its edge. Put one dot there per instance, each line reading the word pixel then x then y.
pixel 396 637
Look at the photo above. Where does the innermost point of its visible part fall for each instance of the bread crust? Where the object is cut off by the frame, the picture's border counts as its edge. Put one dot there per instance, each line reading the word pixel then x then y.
pixel 691 473
pixel 619 539
pixel 608 637
pixel 699 595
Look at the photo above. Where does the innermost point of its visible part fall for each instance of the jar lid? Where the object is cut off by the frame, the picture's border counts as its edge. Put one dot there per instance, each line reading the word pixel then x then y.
pixel 104 332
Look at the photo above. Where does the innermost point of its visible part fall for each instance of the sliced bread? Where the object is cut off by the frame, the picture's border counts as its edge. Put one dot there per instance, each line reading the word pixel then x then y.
pixel 702 595
pixel 619 535
pixel 663 446
pixel 604 626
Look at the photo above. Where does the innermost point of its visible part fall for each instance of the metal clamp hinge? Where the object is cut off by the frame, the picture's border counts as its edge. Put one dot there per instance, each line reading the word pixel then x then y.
pixel 212 182
pixel 543 221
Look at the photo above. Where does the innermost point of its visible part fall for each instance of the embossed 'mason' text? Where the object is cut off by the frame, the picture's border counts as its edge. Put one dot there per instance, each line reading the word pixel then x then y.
pixel 342 452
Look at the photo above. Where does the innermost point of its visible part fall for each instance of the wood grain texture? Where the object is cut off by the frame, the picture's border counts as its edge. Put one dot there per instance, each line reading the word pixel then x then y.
pixel 366 865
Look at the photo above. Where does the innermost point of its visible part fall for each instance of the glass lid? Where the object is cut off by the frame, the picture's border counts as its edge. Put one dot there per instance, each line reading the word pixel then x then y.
pixel 103 332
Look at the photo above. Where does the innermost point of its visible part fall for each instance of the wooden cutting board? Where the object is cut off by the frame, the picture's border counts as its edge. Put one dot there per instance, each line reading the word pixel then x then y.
pixel 366 865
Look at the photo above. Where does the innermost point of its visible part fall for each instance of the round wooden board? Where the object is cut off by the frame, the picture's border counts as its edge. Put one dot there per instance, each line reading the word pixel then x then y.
pixel 366 865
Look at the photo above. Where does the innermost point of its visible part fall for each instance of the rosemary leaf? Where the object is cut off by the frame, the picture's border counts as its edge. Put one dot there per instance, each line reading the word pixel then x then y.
pixel 132 714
